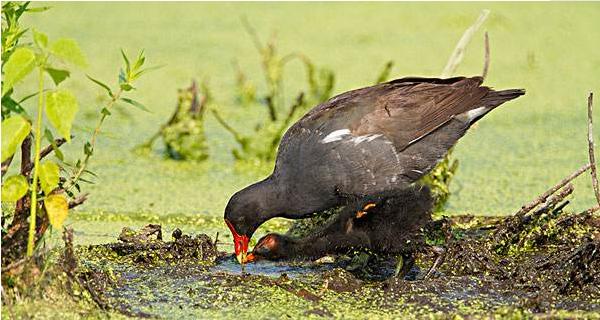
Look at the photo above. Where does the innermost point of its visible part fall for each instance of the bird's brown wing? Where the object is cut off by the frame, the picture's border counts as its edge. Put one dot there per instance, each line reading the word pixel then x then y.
pixel 364 141
pixel 403 110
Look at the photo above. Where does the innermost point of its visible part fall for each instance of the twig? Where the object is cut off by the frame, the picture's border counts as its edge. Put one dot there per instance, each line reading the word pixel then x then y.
pixel 92 143
pixel 458 53
pixel 46 151
pixel 26 155
pixel 80 199
pixel 591 147
pixel 20 219
pixel 591 210
pixel 252 32
pixel 295 106
pixel 6 164
pixel 486 63
pixel 237 136
pixel 542 198
pixel 555 199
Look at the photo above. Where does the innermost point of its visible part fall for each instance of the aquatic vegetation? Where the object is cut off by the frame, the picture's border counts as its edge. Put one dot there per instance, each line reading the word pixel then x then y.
pixel 151 278
pixel 183 134
pixel 262 143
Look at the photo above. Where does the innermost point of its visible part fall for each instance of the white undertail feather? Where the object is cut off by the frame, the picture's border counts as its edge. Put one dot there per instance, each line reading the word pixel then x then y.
pixel 476 113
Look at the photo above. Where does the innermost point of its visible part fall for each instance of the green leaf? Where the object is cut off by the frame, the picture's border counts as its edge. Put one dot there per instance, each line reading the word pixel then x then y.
pixel 58 75
pixel 14 130
pixel 122 77
pixel 57 209
pixel 87 149
pixel 38 9
pixel 69 50
pixel 105 112
pixel 14 188
pixel 140 60
pixel 61 107
pixel 40 39
pixel 49 176
pixel 102 84
pixel 20 64
pixel 135 104
pixel 127 64
pixel 126 87
pixel 12 105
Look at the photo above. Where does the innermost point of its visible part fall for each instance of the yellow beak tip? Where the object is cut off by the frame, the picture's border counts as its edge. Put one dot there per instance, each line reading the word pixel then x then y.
pixel 241 258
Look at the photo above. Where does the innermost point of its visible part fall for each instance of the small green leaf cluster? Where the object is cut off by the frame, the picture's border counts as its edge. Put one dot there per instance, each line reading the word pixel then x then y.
pixel 184 136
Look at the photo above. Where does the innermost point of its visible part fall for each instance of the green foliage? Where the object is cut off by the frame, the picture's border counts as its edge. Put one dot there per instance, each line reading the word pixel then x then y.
pixel 14 188
pixel 14 131
pixel 61 107
pixel 69 51
pixel 20 64
pixel 58 75
pixel 49 176
pixel 439 180
pixel 261 143
pixel 183 135
pixel 384 74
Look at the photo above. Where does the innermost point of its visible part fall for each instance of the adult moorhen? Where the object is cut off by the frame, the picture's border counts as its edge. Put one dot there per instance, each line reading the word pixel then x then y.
pixel 390 227
pixel 361 145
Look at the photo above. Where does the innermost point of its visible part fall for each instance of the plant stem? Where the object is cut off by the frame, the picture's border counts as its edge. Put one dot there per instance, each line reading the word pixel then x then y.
pixel 81 169
pixel 36 162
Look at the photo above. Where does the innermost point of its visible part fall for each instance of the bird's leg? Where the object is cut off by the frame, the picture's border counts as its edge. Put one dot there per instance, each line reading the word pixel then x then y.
pixel 365 210
pixel 440 254
pixel 405 263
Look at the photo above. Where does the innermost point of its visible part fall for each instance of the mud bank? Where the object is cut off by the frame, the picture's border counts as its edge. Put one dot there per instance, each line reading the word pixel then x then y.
pixel 546 265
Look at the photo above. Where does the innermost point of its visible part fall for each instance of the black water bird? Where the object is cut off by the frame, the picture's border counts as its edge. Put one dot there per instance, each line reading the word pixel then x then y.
pixel 362 145
pixel 392 226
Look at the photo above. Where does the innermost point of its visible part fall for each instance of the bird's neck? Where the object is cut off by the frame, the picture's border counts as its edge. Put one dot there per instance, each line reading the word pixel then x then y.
pixel 271 198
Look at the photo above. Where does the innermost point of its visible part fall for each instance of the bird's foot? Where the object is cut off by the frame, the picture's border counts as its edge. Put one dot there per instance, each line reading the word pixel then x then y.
pixel 365 210
pixel 440 254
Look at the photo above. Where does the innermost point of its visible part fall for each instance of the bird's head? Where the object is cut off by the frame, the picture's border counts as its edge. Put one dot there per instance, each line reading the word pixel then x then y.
pixel 272 247
pixel 243 215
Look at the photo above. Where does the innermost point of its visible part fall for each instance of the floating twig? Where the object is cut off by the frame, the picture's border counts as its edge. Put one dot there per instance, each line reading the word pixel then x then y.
pixel 459 50
pixel 591 147
pixel 542 198
pixel 486 62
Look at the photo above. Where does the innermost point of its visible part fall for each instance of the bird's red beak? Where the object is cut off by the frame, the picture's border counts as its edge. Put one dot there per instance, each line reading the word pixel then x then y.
pixel 240 244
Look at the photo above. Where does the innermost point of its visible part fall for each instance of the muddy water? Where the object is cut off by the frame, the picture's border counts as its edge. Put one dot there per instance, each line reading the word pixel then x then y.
pixel 187 278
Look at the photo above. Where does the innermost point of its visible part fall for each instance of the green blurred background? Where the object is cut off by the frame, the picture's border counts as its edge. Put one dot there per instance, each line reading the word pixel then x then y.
pixel 550 49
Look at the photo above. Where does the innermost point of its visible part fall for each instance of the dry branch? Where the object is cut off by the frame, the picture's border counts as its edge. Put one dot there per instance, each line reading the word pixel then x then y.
pixel 458 53
pixel 554 200
pixel 6 164
pixel 591 210
pixel 542 198
pixel 46 151
pixel 486 63
pixel 591 147
pixel 78 200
